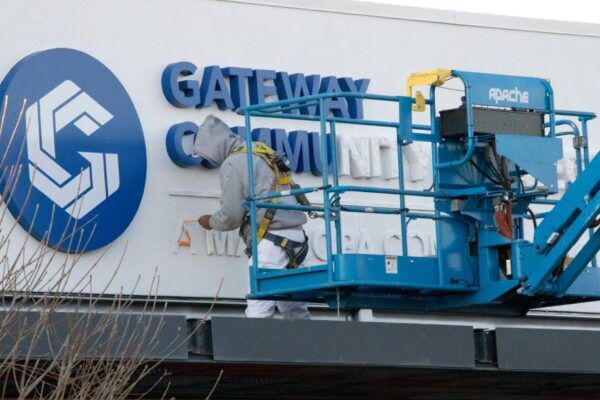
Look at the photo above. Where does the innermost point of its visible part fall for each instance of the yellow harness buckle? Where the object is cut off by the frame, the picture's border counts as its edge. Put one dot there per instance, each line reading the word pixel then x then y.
pixel 284 180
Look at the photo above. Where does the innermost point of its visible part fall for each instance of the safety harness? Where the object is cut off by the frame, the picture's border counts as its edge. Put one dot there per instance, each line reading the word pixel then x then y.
pixel 296 251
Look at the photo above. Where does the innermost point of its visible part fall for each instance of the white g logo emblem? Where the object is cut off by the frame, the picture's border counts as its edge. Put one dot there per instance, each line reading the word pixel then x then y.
pixel 76 194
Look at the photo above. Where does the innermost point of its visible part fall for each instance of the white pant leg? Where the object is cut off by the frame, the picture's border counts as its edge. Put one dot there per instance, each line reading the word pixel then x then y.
pixel 293 309
pixel 260 308
pixel 272 256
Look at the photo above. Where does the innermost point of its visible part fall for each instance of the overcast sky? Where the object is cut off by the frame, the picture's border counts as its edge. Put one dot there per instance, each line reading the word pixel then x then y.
pixel 565 10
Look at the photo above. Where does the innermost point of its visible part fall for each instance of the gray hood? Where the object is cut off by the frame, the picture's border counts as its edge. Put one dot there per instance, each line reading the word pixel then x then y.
pixel 214 140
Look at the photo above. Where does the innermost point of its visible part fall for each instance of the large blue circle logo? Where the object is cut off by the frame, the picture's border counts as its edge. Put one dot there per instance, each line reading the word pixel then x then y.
pixel 72 152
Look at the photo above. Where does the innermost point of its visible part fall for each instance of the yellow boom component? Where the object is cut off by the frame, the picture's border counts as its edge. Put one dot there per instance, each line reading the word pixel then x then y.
pixel 435 77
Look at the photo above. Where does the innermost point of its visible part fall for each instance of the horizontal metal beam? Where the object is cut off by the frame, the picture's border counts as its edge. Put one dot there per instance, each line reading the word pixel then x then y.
pixel 150 336
pixel 557 350
pixel 341 342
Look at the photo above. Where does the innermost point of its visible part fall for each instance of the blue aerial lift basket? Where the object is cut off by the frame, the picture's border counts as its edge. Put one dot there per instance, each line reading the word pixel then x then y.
pixel 481 202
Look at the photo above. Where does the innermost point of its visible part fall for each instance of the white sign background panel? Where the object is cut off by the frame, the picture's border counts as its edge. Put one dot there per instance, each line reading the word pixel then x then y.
pixel 137 39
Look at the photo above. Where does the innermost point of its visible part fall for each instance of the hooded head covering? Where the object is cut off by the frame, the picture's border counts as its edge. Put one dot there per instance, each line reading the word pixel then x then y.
pixel 214 141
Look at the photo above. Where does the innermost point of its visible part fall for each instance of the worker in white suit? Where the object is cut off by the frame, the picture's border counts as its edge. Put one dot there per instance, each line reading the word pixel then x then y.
pixel 283 243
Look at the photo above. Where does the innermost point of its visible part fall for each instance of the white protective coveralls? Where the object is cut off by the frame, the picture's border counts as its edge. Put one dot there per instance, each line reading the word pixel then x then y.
pixel 271 256
pixel 214 143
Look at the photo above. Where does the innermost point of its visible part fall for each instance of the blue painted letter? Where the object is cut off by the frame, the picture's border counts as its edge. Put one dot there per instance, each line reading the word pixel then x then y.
pixel 355 104
pixel 238 82
pixel 180 93
pixel 213 88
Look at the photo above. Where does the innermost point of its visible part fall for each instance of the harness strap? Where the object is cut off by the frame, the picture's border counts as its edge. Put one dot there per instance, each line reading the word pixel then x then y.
pixel 296 251
pixel 267 154
pixel 266 221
